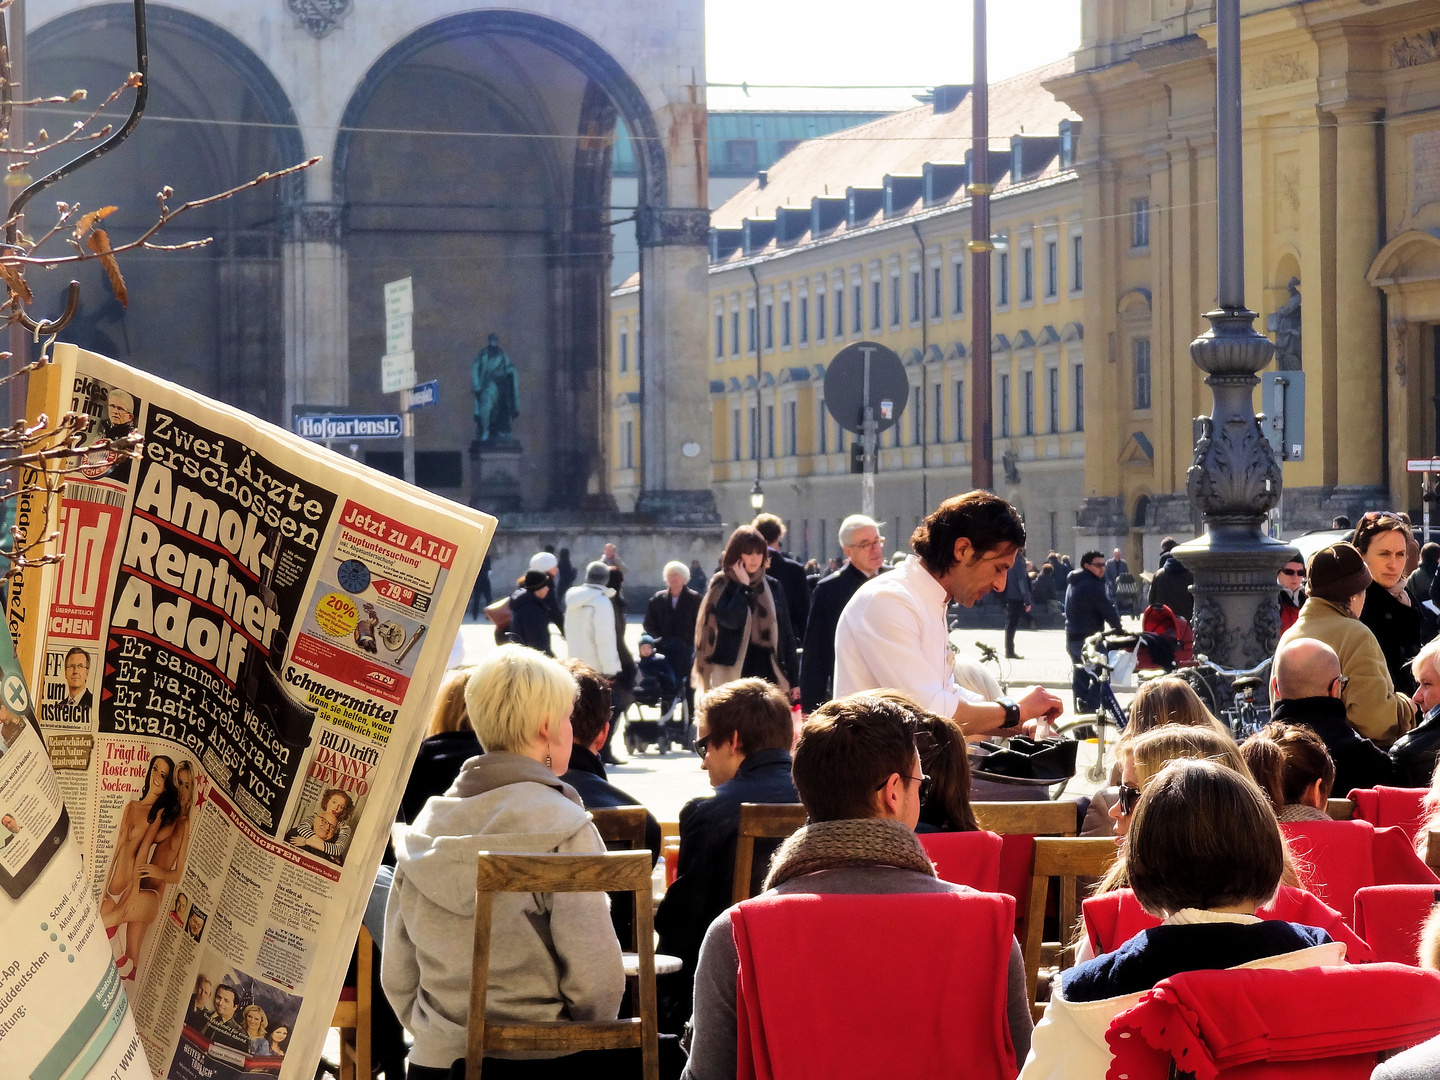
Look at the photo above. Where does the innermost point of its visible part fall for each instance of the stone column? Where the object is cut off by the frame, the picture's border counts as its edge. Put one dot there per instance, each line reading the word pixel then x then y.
pixel 316 307
pixel 674 380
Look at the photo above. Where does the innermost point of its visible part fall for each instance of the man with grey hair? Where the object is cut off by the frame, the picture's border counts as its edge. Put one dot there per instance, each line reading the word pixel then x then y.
pixel 670 619
pixel 864 549
pixel 1306 688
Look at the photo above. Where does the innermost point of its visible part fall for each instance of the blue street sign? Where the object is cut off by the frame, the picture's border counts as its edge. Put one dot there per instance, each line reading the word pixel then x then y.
pixel 348 427
pixel 427 393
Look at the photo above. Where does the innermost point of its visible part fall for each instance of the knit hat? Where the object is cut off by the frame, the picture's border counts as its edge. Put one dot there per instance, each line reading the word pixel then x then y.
pixel 646 639
pixel 1337 573
pixel 597 573
pixel 544 562
pixel 535 580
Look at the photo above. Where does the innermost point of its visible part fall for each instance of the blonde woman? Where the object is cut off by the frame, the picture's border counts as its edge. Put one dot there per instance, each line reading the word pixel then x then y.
pixel 552 956
pixel 256 1024
pixel 449 742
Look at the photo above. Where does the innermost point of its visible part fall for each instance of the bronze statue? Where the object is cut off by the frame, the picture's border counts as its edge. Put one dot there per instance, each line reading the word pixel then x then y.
pixel 1285 322
pixel 497 392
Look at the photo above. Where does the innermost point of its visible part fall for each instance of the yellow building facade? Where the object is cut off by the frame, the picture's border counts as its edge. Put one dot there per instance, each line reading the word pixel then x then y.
pixel 1341 105
pixel 862 235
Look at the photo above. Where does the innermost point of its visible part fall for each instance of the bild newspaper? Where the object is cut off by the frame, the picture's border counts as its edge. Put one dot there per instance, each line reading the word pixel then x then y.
pixel 206 724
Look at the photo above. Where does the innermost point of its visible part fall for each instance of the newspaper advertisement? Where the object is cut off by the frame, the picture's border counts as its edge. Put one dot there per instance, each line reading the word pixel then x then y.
pixel 243 639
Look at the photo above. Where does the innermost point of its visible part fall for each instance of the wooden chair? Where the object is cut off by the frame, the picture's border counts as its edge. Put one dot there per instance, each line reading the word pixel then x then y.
pixel 621 825
pixel 772 821
pixel 1340 809
pixel 352 1013
pixel 1027 818
pixel 1067 858
pixel 1432 850
pixel 619 871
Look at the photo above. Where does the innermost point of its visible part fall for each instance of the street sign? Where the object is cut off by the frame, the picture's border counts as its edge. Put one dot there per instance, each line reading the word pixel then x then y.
pixel 1284 404
pixel 1424 464
pixel 397 372
pixel 419 397
pixel 399 298
pixel 397 334
pixel 329 426
pixel 845 386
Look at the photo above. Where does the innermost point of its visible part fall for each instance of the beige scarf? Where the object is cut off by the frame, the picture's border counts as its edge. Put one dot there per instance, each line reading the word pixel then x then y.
pixel 763 631
pixel 831 845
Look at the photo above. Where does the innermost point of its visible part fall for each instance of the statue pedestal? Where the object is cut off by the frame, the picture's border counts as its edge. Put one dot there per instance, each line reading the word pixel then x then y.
pixel 495 485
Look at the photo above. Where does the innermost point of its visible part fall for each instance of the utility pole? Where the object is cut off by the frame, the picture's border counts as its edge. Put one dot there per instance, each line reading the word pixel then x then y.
pixel 982 455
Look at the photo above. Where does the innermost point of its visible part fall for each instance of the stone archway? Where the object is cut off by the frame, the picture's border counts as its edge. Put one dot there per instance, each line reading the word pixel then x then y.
pixel 1407 269
pixel 217 117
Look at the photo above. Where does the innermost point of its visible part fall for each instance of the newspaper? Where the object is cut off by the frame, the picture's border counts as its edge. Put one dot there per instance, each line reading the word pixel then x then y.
pixel 233 667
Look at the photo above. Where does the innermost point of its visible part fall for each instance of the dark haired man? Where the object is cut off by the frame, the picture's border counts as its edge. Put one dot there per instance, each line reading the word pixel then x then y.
pixel 858 774
pixel 221 1026
pixel 787 571
pixel 1087 609
pixel 893 634
pixel 743 734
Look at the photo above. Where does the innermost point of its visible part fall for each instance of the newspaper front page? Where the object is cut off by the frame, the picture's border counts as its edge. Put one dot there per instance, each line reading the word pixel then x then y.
pixel 241 644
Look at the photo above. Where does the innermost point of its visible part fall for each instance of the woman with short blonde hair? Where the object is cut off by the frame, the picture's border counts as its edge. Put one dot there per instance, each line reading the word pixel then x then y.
pixel 511 695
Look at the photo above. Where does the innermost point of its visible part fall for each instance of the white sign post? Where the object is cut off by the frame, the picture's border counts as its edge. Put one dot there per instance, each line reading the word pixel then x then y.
pixel 397 366
pixel 1424 466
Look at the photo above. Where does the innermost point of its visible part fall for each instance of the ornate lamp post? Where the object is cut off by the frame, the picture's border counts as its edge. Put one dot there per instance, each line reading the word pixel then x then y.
pixel 1234 480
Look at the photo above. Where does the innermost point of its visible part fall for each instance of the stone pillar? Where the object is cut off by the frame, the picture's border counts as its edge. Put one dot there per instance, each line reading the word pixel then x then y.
pixel 1357 332
pixel 316 307
pixel 674 380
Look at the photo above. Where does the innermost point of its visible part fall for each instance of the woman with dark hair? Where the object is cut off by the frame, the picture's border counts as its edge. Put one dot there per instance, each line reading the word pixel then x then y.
pixel 140 822
pixel 1293 768
pixel 743 629
pixel 1391 613
pixel 943 758
pixel 1203 852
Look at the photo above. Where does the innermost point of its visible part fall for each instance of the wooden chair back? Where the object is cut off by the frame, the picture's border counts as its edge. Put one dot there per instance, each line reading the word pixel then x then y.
pixel 620 825
pixel 1066 858
pixel 1340 809
pixel 352 1013
pixel 1432 850
pixel 771 821
pixel 619 871
pixel 1027 818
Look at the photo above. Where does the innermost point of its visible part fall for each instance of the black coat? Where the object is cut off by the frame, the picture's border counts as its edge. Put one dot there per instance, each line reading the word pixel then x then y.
pixel 1359 763
pixel 1087 607
pixel 673 625
pixel 791 576
pixel 530 620
pixel 817 661
pixel 1399 630
pixel 732 613
pixel 1171 586
pixel 705 882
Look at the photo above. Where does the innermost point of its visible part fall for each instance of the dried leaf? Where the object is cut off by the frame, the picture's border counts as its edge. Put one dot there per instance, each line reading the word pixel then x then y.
pixel 99 242
pixel 88 221
pixel 15 282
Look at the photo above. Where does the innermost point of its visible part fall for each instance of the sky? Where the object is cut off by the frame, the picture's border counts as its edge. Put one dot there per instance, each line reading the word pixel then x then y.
pixel 852 43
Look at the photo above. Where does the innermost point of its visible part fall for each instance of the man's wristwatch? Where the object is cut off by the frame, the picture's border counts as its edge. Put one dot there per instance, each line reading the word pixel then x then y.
pixel 1012 711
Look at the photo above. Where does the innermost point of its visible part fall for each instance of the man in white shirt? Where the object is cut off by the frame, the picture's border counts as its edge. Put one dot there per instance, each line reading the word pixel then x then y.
pixel 893 633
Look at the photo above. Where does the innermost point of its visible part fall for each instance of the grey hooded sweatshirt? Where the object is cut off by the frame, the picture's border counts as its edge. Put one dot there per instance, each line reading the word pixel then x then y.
pixel 553 956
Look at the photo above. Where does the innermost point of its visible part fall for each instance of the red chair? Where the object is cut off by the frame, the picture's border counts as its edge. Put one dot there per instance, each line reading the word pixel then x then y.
pixel 1390 918
pixel 1336 859
pixel 1385 806
pixel 1318 1023
pixel 1115 917
pixel 837 986
pixel 965 858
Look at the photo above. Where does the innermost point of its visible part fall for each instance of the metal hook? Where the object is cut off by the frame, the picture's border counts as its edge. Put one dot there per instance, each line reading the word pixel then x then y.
pixel 12 228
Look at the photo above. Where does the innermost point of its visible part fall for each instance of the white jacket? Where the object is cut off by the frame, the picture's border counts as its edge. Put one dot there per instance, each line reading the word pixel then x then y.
pixel 590 628
pixel 1069 1042
pixel 553 956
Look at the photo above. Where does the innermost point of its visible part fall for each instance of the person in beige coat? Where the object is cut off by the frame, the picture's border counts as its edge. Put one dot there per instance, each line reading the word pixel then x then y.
pixel 1338 580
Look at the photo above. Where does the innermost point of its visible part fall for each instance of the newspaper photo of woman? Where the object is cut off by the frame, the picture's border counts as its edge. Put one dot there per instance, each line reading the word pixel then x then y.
pixel 256 1025
pixel 278 1038
pixel 142 818
pixel 328 832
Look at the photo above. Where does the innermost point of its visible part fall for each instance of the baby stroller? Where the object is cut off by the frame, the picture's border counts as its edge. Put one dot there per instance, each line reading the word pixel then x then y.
pixel 656 688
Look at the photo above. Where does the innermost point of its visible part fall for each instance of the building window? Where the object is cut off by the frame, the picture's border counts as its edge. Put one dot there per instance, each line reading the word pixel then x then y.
pixel 770 431
pixel 769 326
pixel 784 324
pixel 875 304
pixel 917 425
pixel 822 430
pixel 820 316
pixel 1052 399
pixel 735 333
pixel 1140 350
pixel 1027 275
pixel 1052 268
pixel 856 318
pixel 960 410
pixel 719 336
pixel 754 433
pixel 957 302
pixel 627 443
pixel 624 352
pixel 1077 263
pixel 792 429
pixel 735 434
pixel 1078 393
pixel 804 320
pixel 1004 275
pixel 895 299
pixel 939 413
pixel 1004 406
pixel 839 313
pixel 1140 223
pixel 935 292
pixel 1027 387
pixel 742 154
pixel 752 330
pixel 916 305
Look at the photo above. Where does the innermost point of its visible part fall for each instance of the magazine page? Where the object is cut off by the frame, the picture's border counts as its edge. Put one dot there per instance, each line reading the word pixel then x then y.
pixel 244 638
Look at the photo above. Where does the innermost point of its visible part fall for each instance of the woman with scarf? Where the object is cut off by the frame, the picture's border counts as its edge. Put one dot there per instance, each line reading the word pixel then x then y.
pixel 1392 614
pixel 743 629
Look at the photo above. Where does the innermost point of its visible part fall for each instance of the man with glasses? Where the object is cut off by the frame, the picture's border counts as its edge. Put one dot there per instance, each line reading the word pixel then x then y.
pixel 858 773
pixel 864 549
pixel 743 734
pixel 1306 688
pixel 1087 609
pixel 1291 580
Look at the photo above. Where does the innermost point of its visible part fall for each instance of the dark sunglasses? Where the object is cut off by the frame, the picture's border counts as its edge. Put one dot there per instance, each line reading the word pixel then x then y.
pixel 1293 573
pixel 926 785
pixel 1129 796
pixel 702 745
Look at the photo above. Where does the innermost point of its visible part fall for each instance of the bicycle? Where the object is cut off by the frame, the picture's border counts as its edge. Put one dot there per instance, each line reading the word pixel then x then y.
pixel 1095 663
pixel 989 655
pixel 1246 712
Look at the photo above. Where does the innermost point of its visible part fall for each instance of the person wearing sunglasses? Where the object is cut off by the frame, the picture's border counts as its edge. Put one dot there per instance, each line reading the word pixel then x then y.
pixel 1339 579
pixel 1291 580
pixel 858 771
pixel 1397 620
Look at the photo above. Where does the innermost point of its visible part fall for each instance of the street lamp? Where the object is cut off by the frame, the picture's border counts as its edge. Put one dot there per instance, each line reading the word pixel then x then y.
pixel 757 496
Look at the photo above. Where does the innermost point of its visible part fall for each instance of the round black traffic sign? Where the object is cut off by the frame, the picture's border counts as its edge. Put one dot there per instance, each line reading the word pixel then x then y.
pixel 845 386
